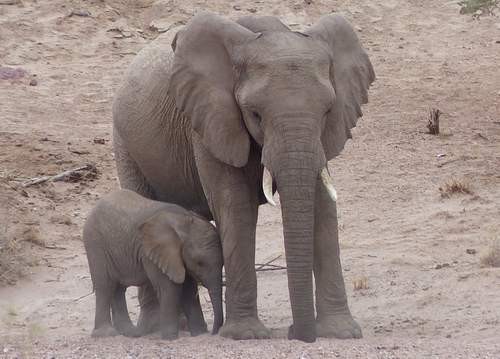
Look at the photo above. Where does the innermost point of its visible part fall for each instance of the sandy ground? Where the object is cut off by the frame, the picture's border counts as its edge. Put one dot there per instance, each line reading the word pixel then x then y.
pixel 417 254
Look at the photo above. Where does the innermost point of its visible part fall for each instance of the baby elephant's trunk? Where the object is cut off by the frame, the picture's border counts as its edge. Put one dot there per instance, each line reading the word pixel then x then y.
pixel 216 299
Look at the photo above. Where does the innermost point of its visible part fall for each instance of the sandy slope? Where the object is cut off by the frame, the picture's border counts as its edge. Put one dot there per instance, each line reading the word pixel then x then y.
pixel 396 230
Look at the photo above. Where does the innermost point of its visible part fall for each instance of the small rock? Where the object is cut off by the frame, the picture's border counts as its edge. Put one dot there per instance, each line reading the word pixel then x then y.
pixel 33 82
pixel 99 141
pixel 308 2
pixel 82 13
pixel 359 29
pixel 444 265
pixel 252 10
pixel 10 73
pixel 470 251
pixel 237 7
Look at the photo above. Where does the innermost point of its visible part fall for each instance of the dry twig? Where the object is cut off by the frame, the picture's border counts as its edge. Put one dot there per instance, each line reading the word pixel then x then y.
pixel 73 175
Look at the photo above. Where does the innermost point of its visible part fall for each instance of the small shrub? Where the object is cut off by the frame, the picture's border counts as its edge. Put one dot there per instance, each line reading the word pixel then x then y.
pixel 455 186
pixel 492 257
pixel 473 6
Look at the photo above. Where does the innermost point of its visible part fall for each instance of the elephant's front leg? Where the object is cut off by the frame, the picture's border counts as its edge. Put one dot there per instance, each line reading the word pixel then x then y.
pixel 149 316
pixel 234 205
pixel 192 307
pixel 334 318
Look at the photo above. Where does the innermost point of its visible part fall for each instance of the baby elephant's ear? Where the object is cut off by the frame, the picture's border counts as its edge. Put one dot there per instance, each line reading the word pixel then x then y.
pixel 163 246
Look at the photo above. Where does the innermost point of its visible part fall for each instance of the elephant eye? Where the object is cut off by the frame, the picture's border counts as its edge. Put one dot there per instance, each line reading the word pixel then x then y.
pixel 256 116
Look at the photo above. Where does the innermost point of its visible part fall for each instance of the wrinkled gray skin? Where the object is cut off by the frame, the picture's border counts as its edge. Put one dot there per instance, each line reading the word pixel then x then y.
pixel 133 241
pixel 195 127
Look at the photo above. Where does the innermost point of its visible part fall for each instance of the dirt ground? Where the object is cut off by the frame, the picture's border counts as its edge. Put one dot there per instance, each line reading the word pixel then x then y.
pixel 413 255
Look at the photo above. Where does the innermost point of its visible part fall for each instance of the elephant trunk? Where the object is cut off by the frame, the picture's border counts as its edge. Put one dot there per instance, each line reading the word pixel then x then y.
pixel 216 299
pixel 293 155
pixel 296 171
pixel 297 203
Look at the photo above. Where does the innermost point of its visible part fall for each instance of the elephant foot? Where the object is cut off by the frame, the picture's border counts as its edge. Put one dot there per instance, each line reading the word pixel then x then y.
pixel 131 332
pixel 308 337
pixel 340 326
pixel 169 334
pixel 104 331
pixel 244 328
pixel 198 329
pixel 149 321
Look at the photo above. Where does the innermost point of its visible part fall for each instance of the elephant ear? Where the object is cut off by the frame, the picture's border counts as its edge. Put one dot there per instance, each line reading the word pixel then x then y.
pixel 163 246
pixel 351 75
pixel 202 84
pixel 262 23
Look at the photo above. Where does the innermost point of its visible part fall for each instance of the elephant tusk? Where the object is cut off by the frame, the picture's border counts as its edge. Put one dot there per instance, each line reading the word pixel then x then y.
pixel 267 186
pixel 327 181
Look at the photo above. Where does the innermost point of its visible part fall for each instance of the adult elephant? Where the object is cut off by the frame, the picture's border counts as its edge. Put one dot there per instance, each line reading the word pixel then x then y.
pixel 231 105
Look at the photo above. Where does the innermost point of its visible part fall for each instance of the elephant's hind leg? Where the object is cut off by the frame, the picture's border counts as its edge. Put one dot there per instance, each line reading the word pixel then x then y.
pixel 149 315
pixel 121 319
pixel 103 326
pixel 129 173
pixel 334 318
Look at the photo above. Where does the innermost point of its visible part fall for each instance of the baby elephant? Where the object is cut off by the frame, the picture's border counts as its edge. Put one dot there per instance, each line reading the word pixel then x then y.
pixel 133 241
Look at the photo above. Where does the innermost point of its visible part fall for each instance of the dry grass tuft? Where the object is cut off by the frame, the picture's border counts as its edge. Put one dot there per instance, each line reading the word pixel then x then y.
pixel 13 258
pixel 433 121
pixel 32 235
pixel 455 186
pixel 492 257
pixel 360 283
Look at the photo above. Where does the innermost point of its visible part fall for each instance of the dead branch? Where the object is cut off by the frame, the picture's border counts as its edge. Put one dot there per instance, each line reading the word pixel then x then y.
pixel 271 269
pixel 267 263
pixel 83 296
pixel 433 124
pixel 260 267
pixel 72 175
pixel 55 247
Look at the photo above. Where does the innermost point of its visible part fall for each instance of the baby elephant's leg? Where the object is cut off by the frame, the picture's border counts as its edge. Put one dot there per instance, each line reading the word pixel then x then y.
pixel 149 316
pixel 103 327
pixel 169 296
pixel 192 308
pixel 121 319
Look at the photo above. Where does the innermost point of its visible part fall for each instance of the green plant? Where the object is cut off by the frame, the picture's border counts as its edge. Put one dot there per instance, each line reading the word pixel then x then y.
pixel 473 6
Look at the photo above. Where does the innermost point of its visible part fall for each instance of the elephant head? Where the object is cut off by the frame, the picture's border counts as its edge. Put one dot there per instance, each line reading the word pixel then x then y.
pixel 176 243
pixel 297 95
